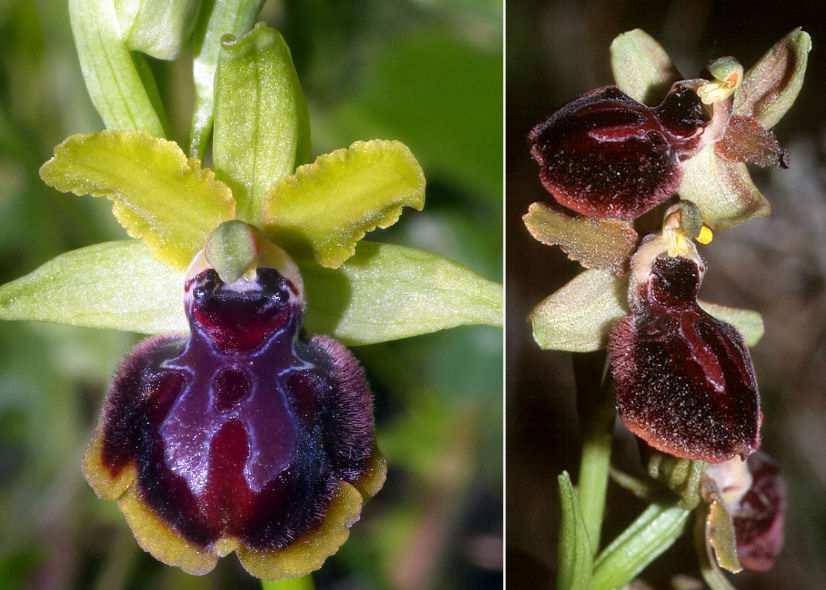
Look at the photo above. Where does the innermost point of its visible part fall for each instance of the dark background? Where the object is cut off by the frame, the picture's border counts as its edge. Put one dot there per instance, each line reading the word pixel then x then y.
pixel 557 50
pixel 426 72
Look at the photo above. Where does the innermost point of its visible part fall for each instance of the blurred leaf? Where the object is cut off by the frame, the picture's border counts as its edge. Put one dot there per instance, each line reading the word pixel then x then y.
pixel 302 583
pixel 654 531
pixel 575 553
pixel 158 194
pixel 326 207
pixel 262 129
pixel 771 86
pixel 111 285
pixel 217 18
pixel 443 97
pixel 387 292
pixel 723 190
pixel 118 83
pixel 641 67
pixel 159 28
pixel 604 244
pixel 578 317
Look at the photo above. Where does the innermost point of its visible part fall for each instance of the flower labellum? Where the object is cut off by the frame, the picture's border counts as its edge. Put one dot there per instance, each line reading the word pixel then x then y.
pixel 754 493
pixel 684 380
pixel 242 436
pixel 607 155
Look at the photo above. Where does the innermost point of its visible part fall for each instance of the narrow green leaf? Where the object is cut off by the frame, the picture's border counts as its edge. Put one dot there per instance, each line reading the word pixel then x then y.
pixel 117 285
pixel 158 194
pixel 575 552
pixel 262 127
pixel 748 322
pixel 723 190
pixel 595 243
pixel 326 207
pixel 120 92
pixel 771 86
pixel 594 466
pixel 217 18
pixel 158 28
pixel 578 317
pixel 387 292
pixel 641 67
pixel 654 531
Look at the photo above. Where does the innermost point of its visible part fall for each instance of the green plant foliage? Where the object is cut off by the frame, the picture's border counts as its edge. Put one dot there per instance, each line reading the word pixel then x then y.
pixel 575 551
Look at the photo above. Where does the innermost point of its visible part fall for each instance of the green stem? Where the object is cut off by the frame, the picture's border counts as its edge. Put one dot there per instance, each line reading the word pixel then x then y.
pixel 595 464
pixel 303 583
pixel 654 531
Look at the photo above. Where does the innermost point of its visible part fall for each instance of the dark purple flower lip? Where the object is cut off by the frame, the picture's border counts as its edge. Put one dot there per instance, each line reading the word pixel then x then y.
pixel 754 494
pixel 684 380
pixel 607 155
pixel 243 436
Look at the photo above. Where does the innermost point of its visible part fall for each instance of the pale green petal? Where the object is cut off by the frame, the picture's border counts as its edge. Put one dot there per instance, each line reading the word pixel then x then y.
pixel 158 194
pixel 326 207
pixel 749 323
pixel 387 292
pixel 262 127
pixel 159 28
pixel 119 83
pixel 641 67
pixel 770 88
pixel 595 243
pixel 228 17
pixel 579 316
pixel 117 285
pixel 722 190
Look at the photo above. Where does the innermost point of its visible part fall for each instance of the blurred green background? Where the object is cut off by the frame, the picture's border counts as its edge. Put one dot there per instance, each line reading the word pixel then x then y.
pixel 427 72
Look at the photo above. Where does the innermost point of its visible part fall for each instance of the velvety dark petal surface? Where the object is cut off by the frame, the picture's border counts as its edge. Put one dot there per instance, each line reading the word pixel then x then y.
pixel 760 516
pixel 606 155
pixel 242 433
pixel 684 380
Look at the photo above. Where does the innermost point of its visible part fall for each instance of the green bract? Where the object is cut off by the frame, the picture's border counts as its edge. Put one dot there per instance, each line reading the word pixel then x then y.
pixel 318 213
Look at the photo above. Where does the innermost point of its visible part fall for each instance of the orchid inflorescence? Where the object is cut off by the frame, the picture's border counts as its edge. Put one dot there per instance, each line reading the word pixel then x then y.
pixel 244 424
pixel 679 368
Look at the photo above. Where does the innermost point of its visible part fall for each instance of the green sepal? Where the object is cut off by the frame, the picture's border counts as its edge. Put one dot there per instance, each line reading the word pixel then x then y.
pixel 654 531
pixel 641 67
pixel 595 243
pixel 326 207
pixel 388 292
pixel 119 84
pixel 575 556
pixel 262 127
pixel 158 194
pixel 117 285
pixel 771 86
pixel 722 190
pixel 579 316
pixel 385 292
pixel 227 17
pixel 158 28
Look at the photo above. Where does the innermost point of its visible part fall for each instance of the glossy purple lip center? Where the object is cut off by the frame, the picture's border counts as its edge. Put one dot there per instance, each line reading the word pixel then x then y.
pixel 244 428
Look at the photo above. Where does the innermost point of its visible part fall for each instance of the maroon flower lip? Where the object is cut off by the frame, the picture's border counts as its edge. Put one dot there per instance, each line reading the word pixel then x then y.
pixel 607 155
pixel 684 380
pixel 760 515
pixel 242 436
